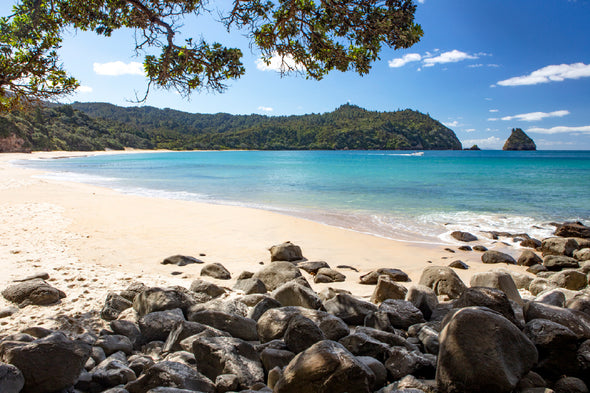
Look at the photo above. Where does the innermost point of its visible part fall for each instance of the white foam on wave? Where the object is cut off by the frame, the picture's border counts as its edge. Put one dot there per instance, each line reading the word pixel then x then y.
pixel 78 178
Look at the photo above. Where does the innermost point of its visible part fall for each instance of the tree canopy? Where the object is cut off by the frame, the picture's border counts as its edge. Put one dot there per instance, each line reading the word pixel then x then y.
pixel 312 37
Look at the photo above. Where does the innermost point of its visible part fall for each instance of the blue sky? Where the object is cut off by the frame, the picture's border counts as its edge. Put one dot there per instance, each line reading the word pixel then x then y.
pixel 482 68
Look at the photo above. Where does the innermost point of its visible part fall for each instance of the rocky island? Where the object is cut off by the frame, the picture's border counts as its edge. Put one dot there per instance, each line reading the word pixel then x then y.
pixel 518 140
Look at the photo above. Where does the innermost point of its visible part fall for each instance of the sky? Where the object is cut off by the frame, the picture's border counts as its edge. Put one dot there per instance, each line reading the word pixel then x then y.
pixel 482 68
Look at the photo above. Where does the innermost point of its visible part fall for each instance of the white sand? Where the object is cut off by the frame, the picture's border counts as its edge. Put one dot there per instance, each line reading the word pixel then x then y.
pixel 91 240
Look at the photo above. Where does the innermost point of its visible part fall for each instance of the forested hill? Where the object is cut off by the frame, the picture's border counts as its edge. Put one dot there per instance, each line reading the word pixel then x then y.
pixel 93 126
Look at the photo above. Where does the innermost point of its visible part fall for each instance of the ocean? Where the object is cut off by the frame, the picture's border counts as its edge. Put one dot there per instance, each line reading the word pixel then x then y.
pixel 411 196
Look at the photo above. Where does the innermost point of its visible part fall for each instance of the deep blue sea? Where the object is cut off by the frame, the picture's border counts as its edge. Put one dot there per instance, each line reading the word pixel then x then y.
pixel 394 194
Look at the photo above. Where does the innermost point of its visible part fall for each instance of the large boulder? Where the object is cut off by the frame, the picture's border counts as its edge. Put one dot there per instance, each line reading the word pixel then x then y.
pixel 560 262
pixel 491 298
pixel 277 274
pixel 577 321
pixel 114 305
pixel 371 278
pixel 172 375
pixel 492 256
pixel 558 246
pixel 423 298
pixel 518 140
pixel 48 364
pixel 112 372
pixel 285 252
pixel 573 229
pixel 294 294
pixel 237 326
pixel 443 280
pixel 481 351
pixel 464 236
pixel 156 326
pixel 302 333
pixel 326 367
pixel 228 355
pixel 216 270
pixel 206 289
pixel 160 299
pixel 403 362
pixel 32 292
pixel 348 308
pixel 529 258
pixel 402 313
pixel 11 379
pixel 388 289
pixel 499 280
pixel 582 254
pixel 569 279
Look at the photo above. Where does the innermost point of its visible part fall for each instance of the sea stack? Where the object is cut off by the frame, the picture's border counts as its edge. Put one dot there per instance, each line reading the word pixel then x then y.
pixel 518 140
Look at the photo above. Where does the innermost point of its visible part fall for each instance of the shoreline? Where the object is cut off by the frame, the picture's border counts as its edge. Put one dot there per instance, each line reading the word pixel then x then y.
pixel 92 240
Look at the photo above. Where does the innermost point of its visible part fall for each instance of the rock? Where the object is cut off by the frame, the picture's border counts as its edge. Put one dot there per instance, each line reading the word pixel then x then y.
pixel 187 329
pixel 558 246
pixel 552 297
pixel 226 383
pixel 521 280
pixel 285 252
pixel 387 289
pixel 348 308
pixel 312 267
pixel 539 285
pixel 180 260
pixel 216 270
pixel 173 375
pixel 250 286
pixel 569 279
pixel 423 298
pixel 237 326
pixel 112 372
pixel 429 339
pixel 41 275
pixel 481 351
pixel 531 243
pixel 273 323
pixel 463 236
pixel 134 289
pixel 573 229
pixel 208 288
pixel 377 368
pixel 576 321
pixel 570 385
pixel 403 362
pixel 114 305
pixel 293 294
pixel 160 299
pixel 263 306
pixel 443 280
pixel 389 338
pixel 395 275
pixel 582 254
pixel 325 367
pixel 465 248
pixel 491 256
pixel 48 364
pixel 302 333
pixel 227 355
pixel 580 303
pixel 536 269
pixel 402 314
pixel 114 343
pixel 499 280
pixel 8 311
pixel 231 306
pixel 277 274
pixel 528 258
pixel 459 265
pixel 360 344
pixel 559 262
pixel 272 358
pixel 334 275
pixel 480 248
pixel 491 298
pixel 518 140
pixel 32 292
pixel 11 379
pixel 157 325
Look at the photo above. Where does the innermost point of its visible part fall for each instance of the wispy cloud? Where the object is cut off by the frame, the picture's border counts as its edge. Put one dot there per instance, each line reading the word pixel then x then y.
pixel 450 124
pixel 559 130
pixel 84 89
pixel 494 110
pixel 492 142
pixel 117 68
pixel 265 108
pixel 536 116
pixel 402 61
pixel 279 64
pixel 453 56
pixel 551 73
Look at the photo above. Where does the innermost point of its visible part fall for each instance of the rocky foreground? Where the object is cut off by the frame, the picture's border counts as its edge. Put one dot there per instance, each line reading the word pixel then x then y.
pixel 505 332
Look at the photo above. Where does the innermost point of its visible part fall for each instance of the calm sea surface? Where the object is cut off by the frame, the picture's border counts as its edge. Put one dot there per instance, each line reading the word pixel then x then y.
pixel 394 194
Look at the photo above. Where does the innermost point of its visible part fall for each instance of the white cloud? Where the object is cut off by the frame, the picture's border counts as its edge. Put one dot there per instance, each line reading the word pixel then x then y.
pixel 559 130
pixel 551 73
pixel 453 56
pixel 470 130
pixel 492 142
pixel 279 64
pixel 536 116
pixel 546 143
pixel 494 110
pixel 402 61
pixel 265 108
pixel 117 68
pixel 493 119
pixel 84 89
pixel 453 123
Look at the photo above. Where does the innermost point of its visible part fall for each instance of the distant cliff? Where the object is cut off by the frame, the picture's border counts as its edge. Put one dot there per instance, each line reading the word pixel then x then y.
pixel 518 140
pixel 96 126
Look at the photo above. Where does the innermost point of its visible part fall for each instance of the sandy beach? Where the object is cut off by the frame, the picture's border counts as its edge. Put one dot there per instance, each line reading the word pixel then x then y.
pixel 91 240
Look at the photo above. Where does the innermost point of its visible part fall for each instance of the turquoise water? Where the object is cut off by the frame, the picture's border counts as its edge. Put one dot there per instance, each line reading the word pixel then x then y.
pixel 393 194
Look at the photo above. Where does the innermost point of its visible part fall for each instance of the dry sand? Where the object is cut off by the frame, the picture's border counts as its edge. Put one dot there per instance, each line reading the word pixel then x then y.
pixel 91 240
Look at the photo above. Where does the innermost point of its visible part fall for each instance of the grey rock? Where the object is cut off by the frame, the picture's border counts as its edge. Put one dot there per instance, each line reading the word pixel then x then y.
pixel 403 362
pixel 480 248
pixel 536 269
pixel 569 279
pixel 443 280
pixel 459 265
pixel 272 358
pixel 539 285
pixel 114 343
pixel 302 333
pixel 395 274
pixel 250 286
pixel 573 229
pixel 226 383
pixel 580 303
pixel 134 289
pixel 171 375
pixel 570 385
pixel 558 246
pixel 348 308
pixel 361 344
pixel 423 298
pixel 160 299
pixel 402 314
pixel 128 329
pixel 237 326
pixel 378 370
pixel 576 321
pixel 113 306
pixel 157 325
pixel 529 258
pixel 62 361
pixel 185 329
pixel 464 236
pixel 112 372
pixel 492 256
pixel 11 379
pixel 231 306
pixel 334 275
pixel 293 294
pixel 181 260
pixel 8 311
pixel 216 270
pixel 499 280
pixel 263 306
pixel 388 289
pixel 553 297
pixel 491 298
pixel 285 252
pixel 312 267
pixel 560 262
pixel 277 274
pixel 481 351
pixel 582 254
pixel 32 292
pixel 325 367
pixel 208 288
pixel 140 363
pixel 389 338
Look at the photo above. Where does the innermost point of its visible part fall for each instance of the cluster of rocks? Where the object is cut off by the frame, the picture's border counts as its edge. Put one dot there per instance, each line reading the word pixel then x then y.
pixel 272 332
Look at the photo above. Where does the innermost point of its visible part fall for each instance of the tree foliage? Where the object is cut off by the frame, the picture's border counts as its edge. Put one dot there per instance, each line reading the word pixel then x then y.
pixel 313 37
pixel 96 126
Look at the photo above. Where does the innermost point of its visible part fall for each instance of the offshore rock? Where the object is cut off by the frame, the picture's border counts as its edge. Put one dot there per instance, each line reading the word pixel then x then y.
pixel 518 140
